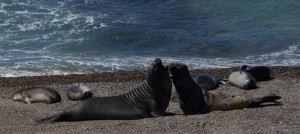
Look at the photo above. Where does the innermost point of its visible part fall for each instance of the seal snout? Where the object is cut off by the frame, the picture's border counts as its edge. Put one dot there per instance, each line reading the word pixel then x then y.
pixel 170 70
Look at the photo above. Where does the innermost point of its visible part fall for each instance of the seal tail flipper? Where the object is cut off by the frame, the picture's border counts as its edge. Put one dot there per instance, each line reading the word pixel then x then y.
pixel 54 118
pixel 268 98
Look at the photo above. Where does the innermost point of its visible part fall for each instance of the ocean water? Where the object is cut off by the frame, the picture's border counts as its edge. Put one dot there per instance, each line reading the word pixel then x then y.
pixel 52 37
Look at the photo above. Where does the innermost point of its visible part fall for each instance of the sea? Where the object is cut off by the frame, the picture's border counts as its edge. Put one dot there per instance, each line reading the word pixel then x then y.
pixel 59 37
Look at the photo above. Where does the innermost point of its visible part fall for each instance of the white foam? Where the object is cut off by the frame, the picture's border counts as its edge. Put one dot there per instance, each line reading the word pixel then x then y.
pixel 30 26
pixel 2 5
pixel 60 65
pixel 22 12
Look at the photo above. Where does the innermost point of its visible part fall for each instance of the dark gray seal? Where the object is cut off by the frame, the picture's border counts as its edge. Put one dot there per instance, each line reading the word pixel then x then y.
pixel 242 79
pixel 260 73
pixel 78 91
pixel 37 94
pixel 150 99
pixel 194 100
pixel 189 93
pixel 207 82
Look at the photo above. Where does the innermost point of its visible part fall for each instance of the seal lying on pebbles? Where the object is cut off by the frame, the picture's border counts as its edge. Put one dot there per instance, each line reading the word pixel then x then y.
pixel 78 92
pixel 260 73
pixel 150 99
pixel 194 100
pixel 37 94
pixel 207 82
pixel 242 79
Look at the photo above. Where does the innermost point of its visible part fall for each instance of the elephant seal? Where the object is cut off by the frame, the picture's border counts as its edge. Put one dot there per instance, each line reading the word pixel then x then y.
pixel 260 73
pixel 224 102
pixel 37 94
pixel 78 92
pixel 189 93
pixel 242 79
pixel 150 99
pixel 194 100
pixel 207 82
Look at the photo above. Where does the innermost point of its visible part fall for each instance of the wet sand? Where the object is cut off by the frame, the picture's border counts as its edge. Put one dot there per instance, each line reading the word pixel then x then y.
pixel 18 117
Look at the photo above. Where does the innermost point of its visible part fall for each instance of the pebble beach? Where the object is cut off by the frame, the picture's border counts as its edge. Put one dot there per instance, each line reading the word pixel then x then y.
pixel 18 117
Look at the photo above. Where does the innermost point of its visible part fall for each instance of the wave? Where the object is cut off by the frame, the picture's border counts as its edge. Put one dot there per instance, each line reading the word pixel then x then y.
pixel 56 65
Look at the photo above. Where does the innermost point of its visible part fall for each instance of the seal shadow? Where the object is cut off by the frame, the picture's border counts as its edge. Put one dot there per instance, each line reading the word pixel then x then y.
pixel 269 105
pixel 255 88
pixel 271 78
pixel 169 114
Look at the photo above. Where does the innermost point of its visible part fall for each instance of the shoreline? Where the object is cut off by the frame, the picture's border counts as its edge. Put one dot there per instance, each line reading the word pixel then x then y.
pixel 123 76
pixel 19 117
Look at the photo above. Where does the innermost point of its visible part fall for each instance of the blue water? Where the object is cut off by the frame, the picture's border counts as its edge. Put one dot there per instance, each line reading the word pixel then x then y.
pixel 50 37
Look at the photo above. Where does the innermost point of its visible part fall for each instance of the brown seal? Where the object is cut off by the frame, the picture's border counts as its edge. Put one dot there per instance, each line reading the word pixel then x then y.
pixel 37 94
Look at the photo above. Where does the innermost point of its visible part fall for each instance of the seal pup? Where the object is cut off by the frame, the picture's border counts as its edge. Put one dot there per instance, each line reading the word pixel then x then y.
pixel 150 99
pixel 242 79
pixel 37 94
pixel 194 100
pixel 207 82
pixel 260 73
pixel 78 91
pixel 224 102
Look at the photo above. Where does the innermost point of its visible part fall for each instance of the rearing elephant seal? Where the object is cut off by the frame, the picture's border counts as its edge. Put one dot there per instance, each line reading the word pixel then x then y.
pixel 37 94
pixel 242 79
pixel 260 73
pixel 194 100
pixel 150 99
pixel 78 92
pixel 207 82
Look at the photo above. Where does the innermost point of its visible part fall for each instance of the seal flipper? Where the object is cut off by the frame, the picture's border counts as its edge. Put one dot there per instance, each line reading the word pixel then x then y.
pixel 255 102
pixel 54 118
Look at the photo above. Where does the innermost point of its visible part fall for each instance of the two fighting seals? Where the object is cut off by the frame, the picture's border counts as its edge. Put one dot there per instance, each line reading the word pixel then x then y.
pixel 37 94
pixel 194 100
pixel 150 99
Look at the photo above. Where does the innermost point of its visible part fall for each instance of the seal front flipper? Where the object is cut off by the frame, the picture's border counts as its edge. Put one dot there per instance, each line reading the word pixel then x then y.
pixel 257 101
pixel 54 118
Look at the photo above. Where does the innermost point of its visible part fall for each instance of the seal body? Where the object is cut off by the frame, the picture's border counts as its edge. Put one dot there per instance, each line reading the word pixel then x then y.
pixel 78 91
pixel 223 102
pixel 194 100
pixel 150 99
pixel 260 73
pixel 207 82
pixel 189 94
pixel 242 79
pixel 37 94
